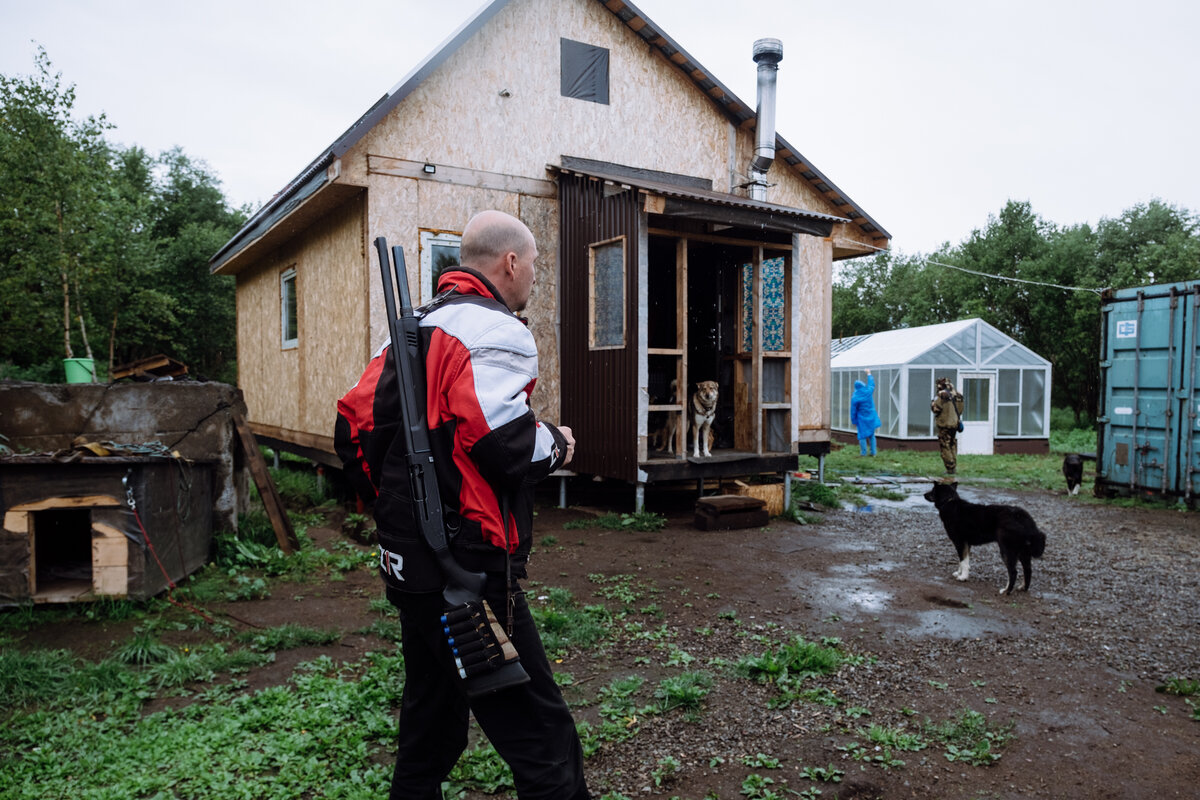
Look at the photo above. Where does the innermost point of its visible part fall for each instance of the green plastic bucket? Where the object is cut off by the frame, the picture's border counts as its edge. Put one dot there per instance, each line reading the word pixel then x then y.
pixel 79 370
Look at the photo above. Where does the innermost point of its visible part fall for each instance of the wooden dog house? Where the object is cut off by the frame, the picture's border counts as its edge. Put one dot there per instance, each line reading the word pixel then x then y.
pixel 70 534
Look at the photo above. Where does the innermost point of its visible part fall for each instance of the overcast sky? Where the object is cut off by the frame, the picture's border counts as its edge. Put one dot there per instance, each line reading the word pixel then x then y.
pixel 928 114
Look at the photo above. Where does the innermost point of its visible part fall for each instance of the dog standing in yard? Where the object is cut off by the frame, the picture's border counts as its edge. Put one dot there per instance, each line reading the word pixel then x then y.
pixel 703 411
pixel 1073 472
pixel 969 524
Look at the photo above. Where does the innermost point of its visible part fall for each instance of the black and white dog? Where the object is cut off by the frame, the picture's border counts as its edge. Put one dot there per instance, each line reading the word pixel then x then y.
pixel 969 524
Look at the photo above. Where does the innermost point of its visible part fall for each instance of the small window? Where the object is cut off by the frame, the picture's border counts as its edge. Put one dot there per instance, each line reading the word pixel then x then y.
pixel 289 320
pixel 606 268
pixel 584 71
pixel 439 252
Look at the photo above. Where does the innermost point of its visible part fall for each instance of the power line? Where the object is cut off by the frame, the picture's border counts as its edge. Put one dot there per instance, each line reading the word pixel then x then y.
pixel 1001 277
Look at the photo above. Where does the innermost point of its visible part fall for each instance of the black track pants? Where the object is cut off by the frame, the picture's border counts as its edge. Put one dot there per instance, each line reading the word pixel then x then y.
pixel 529 725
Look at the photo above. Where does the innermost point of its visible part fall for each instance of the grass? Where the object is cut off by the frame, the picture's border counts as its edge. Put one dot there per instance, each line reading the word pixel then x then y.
pixel 969 738
pixel 637 521
pixel 332 724
pixel 789 665
pixel 1015 471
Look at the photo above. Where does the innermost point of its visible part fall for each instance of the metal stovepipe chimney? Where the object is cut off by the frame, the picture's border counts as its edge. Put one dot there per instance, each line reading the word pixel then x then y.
pixel 767 54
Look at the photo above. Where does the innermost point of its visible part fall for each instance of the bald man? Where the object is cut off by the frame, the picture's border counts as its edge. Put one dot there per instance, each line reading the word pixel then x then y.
pixel 489 450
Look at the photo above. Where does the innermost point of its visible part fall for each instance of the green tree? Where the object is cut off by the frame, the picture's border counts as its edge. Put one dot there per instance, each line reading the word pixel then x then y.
pixel 53 176
pixel 120 238
pixel 1030 279
pixel 192 220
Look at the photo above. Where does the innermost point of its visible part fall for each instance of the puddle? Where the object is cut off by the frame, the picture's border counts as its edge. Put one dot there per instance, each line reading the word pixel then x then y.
pixel 859 597
pixel 956 624
pixel 913 500
pixel 848 597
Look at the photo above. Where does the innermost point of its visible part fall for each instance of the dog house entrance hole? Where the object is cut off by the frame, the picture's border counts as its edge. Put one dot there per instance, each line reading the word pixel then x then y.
pixel 62 551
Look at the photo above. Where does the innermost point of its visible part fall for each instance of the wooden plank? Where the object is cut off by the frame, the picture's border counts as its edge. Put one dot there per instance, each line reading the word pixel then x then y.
pixel 16 522
pixel 682 392
pixel 89 501
pixel 272 502
pixel 65 592
pixel 110 561
pixel 110 548
pixel 461 176
pixel 718 239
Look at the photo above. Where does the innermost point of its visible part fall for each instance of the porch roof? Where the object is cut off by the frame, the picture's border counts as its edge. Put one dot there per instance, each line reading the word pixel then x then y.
pixel 674 200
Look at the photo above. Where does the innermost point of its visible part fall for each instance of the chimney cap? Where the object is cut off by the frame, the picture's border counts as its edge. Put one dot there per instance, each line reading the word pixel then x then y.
pixel 769 50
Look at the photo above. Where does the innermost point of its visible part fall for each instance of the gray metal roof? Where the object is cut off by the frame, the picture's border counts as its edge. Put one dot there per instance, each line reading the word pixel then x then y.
pixel 314 175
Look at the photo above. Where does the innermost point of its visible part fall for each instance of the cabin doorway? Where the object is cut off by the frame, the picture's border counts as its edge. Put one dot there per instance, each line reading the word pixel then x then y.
pixel 712 318
pixel 697 330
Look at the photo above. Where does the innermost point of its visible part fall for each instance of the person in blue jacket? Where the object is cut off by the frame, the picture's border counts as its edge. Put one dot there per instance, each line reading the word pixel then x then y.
pixel 863 415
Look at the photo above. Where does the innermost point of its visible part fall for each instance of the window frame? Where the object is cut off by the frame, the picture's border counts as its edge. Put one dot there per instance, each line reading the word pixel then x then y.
pixel 621 306
pixel 289 277
pixel 427 239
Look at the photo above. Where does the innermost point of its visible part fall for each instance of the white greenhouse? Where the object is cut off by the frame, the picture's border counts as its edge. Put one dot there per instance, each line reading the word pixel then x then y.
pixel 1005 386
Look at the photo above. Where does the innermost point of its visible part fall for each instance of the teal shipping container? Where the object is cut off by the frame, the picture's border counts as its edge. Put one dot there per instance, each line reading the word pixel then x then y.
pixel 1149 418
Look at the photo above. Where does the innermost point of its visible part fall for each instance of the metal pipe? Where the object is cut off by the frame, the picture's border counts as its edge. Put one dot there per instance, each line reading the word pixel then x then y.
pixel 1137 379
pixel 1191 395
pixel 767 54
pixel 1169 394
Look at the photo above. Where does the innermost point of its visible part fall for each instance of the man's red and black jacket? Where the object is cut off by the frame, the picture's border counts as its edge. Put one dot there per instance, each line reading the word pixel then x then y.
pixel 480 369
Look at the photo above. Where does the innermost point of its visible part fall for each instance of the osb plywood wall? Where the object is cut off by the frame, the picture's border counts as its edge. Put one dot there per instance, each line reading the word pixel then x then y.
pixel 815 310
pixel 656 118
pixel 401 207
pixel 297 389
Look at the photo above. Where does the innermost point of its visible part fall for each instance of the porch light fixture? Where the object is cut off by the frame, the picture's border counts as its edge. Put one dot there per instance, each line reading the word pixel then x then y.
pixel 429 169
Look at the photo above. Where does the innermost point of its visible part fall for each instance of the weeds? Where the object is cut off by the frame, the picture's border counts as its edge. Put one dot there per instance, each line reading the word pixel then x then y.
pixel 666 771
pixel 298 487
pixel 969 738
pixel 827 774
pixel 637 521
pixel 1179 686
pixel 788 666
pixel 758 787
pixel 288 637
pixel 143 649
pixel 816 493
pixel 685 691
pixel 565 625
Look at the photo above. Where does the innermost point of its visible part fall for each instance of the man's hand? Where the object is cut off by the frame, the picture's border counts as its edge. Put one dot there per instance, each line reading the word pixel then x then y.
pixel 566 432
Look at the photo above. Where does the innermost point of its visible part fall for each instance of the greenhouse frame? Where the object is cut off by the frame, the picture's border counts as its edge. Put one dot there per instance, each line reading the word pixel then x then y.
pixel 1005 386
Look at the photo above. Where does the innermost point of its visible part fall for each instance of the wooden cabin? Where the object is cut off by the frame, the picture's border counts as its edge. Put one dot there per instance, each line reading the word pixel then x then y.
pixel 681 240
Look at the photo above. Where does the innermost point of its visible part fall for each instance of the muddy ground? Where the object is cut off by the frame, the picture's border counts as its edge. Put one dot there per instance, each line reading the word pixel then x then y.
pixel 1072 666
pixel 1113 612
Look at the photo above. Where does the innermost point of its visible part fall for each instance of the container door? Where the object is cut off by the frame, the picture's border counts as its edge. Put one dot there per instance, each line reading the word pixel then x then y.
pixel 978 431
pixel 1188 398
pixel 1142 360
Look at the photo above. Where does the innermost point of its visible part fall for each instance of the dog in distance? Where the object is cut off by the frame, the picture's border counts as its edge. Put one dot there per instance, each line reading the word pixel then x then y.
pixel 1072 470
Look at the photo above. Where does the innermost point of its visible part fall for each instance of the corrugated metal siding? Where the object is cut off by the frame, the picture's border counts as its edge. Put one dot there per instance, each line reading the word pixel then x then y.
pixel 599 387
